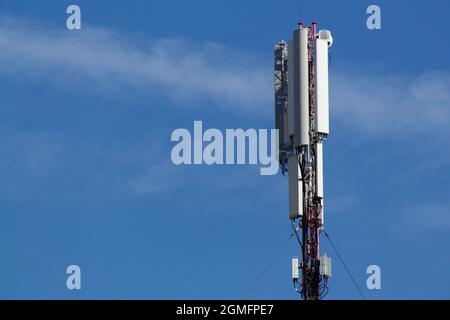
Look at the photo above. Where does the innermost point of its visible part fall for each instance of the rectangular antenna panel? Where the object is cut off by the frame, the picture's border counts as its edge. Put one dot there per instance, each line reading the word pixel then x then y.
pixel 294 268
pixel 301 84
pixel 295 188
pixel 292 94
pixel 321 83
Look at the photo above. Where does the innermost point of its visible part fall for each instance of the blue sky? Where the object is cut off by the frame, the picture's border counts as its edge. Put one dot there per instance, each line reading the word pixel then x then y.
pixel 86 176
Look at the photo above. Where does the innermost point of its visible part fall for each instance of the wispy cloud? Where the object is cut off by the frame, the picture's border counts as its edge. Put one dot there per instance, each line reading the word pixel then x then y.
pixel 35 164
pixel 392 104
pixel 176 68
pixel 371 104
pixel 380 105
pixel 30 153
pixel 428 216
pixel 26 157
pixel 153 180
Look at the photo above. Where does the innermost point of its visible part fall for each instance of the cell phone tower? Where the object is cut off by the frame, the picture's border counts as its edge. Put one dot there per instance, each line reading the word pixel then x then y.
pixel 302 118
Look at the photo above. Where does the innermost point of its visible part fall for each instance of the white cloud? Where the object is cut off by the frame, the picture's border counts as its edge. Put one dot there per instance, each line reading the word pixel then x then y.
pixel 180 70
pixel 382 105
pixel 370 104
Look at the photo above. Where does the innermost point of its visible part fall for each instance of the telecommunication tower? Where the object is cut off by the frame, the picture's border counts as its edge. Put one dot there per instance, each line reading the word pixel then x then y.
pixel 302 118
